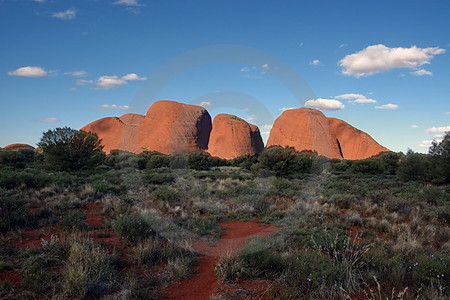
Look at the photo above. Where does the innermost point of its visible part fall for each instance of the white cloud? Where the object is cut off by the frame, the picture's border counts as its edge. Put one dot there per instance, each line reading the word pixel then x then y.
pixel 267 128
pixel 48 120
pixel 315 62
pixel 251 118
pixel 325 104
pixel 356 98
pixel 414 126
pixel 133 76
pixel 447 113
pixel 439 136
pixel 422 72
pixel 245 69
pixel 350 96
pixel 438 129
pixel 107 82
pixel 265 68
pixel 286 108
pixel 128 2
pixel 29 71
pixel 343 45
pixel 365 100
pixel 388 106
pixel 84 82
pixel 68 14
pixel 205 104
pixel 76 73
pixel 379 58
pixel 40 1
pixel 114 106
pixel 425 144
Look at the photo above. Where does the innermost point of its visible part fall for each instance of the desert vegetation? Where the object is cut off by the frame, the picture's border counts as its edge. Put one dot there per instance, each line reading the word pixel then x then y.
pixel 76 224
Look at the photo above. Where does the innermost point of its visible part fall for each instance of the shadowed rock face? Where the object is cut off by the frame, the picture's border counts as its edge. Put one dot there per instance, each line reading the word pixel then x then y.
pixel 232 137
pixel 354 143
pixel 114 133
pixel 172 127
pixel 305 129
pixel 18 146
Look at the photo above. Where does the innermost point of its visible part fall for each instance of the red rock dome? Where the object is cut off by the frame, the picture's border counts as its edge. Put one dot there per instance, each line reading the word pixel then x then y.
pixel 173 127
pixel 354 143
pixel 232 137
pixel 304 129
pixel 18 146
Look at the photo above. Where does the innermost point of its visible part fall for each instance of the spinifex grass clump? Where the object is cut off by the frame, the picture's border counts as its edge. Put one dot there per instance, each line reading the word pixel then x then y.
pixel 89 271
pixel 133 228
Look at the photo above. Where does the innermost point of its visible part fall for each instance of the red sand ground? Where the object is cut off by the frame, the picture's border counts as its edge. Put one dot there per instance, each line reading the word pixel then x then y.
pixel 203 284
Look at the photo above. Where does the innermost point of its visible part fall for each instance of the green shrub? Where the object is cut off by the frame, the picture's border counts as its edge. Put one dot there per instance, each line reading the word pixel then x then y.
pixel 133 228
pixel 89 271
pixel 69 149
pixel 159 177
pixel 14 214
pixel 158 161
pixel 32 179
pixel 39 274
pixel 259 259
pixel 200 160
pixel 443 214
pixel 245 162
pixel 230 269
pixel 339 166
pixel 430 269
pixel 204 226
pixel 20 158
pixel 284 161
pixel 344 201
pixel 153 251
pixel 167 194
pixel 414 166
pixel 371 166
pixel 74 219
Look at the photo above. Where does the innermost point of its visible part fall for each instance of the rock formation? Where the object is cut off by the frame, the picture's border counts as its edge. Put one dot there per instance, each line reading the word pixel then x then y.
pixel 173 127
pixel 18 146
pixel 115 133
pixel 354 143
pixel 305 129
pixel 232 137
pixel 132 119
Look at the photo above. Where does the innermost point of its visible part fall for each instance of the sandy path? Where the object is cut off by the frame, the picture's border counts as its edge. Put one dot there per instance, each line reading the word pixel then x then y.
pixel 203 284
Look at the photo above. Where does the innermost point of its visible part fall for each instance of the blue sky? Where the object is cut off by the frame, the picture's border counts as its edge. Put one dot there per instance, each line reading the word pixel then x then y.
pixel 382 66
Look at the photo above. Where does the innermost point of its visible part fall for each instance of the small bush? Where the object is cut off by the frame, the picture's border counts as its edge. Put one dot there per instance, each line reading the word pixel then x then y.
pixel 284 161
pixel 230 269
pixel 200 160
pixel 89 271
pixel 168 195
pixel 259 259
pixel 17 158
pixel 39 276
pixel 154 251
pixel 13 214
pixel 74 219
pixel 133 228
pixel 369 166
pixel 160 177
pixel 158 161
